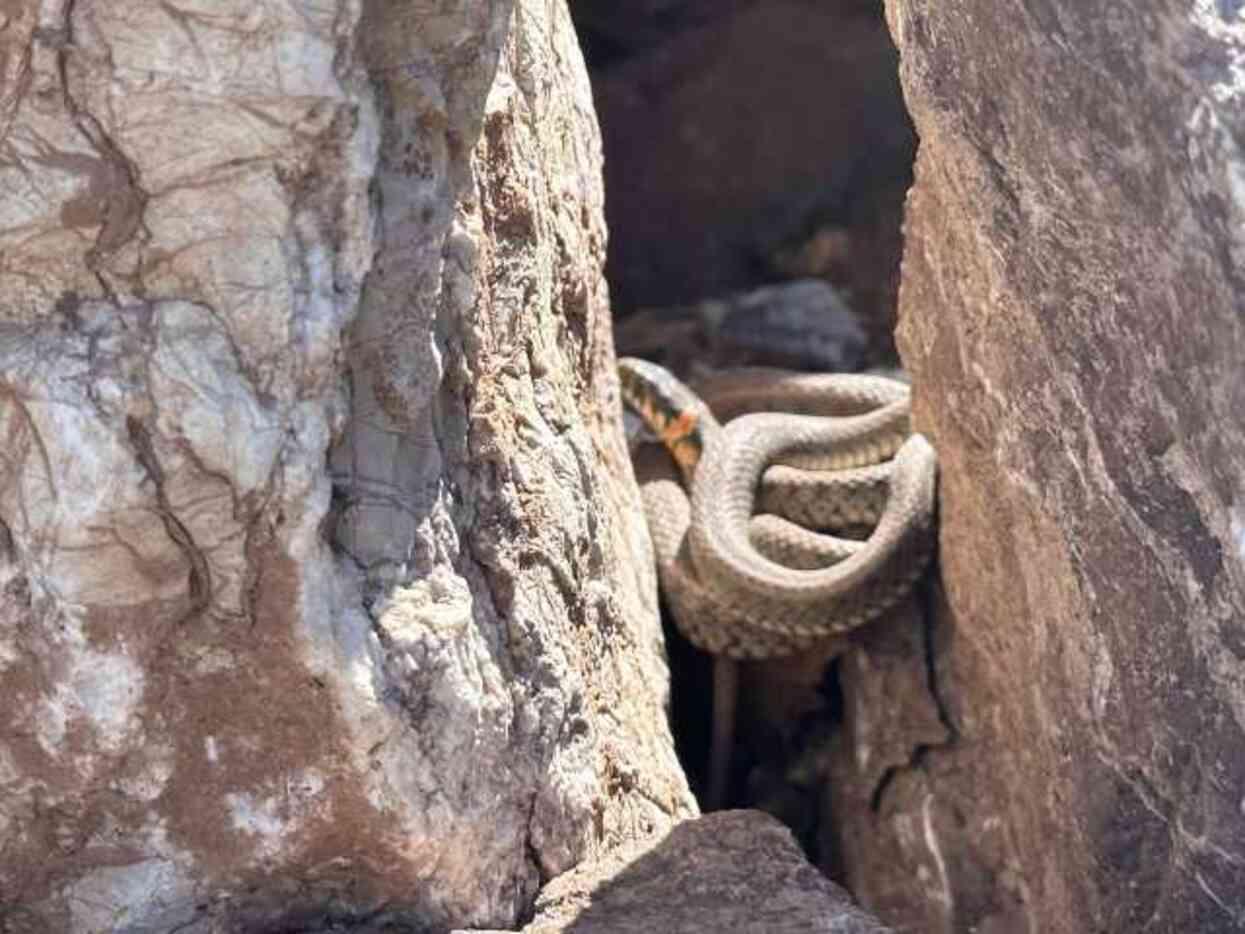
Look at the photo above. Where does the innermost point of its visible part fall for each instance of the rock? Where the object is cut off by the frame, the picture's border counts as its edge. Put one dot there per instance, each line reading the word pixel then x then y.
pixel 323 584
pixel 893 721
pixel 801 325
pixel 804 324
pixel 1071 313
pixel 727 871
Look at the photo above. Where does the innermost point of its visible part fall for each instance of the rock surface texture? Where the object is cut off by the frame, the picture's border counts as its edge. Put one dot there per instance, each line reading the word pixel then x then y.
pixel 1072 315
pixel 315 591
pixel 727 871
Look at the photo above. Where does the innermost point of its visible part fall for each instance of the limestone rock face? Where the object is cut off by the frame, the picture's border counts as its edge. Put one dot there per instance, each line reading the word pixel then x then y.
pixel 1071 314
pixel 316 592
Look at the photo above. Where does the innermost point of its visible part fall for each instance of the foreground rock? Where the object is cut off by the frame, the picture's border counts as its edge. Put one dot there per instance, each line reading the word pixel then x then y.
pixel 244 690
pixel 1071 313
pixel 728 871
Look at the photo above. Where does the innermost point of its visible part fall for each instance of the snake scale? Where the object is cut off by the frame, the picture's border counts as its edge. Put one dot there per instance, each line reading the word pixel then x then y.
pixel 744 572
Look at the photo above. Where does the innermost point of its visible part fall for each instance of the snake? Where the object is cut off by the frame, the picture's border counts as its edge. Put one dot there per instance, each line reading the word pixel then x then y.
pixel 744 572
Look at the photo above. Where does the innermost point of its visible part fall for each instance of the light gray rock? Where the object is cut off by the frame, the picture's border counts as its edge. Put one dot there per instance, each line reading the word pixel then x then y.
pixel 1071 314
pixel 804 325
pixel 322 583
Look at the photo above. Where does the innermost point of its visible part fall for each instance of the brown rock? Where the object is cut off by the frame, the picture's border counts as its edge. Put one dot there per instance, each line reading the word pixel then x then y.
pixel 728 871
pixel 322 583
pixel 1071 312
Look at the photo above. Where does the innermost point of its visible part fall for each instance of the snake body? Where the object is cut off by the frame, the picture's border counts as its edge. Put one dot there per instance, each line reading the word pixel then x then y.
pixel 756 586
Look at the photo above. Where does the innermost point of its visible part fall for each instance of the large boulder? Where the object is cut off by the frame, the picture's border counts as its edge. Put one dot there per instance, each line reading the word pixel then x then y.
pixel 323 582
pixel 1073 315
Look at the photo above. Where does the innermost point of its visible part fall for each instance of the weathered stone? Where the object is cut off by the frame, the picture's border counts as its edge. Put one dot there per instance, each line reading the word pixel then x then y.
pixel 892 722
pixel 1071 312
pixel 727 871
pixel 805 324
pixel 322 586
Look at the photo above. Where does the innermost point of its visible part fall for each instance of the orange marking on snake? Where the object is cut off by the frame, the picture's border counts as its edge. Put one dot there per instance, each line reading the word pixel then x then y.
pixel 676 434
pixel 679 427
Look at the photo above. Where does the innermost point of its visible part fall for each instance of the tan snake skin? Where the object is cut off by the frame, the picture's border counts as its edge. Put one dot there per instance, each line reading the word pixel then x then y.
pixel 753 586
pixel 750 586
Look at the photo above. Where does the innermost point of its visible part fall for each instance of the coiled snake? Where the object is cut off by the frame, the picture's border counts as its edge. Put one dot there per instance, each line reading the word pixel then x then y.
pixel 838 453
